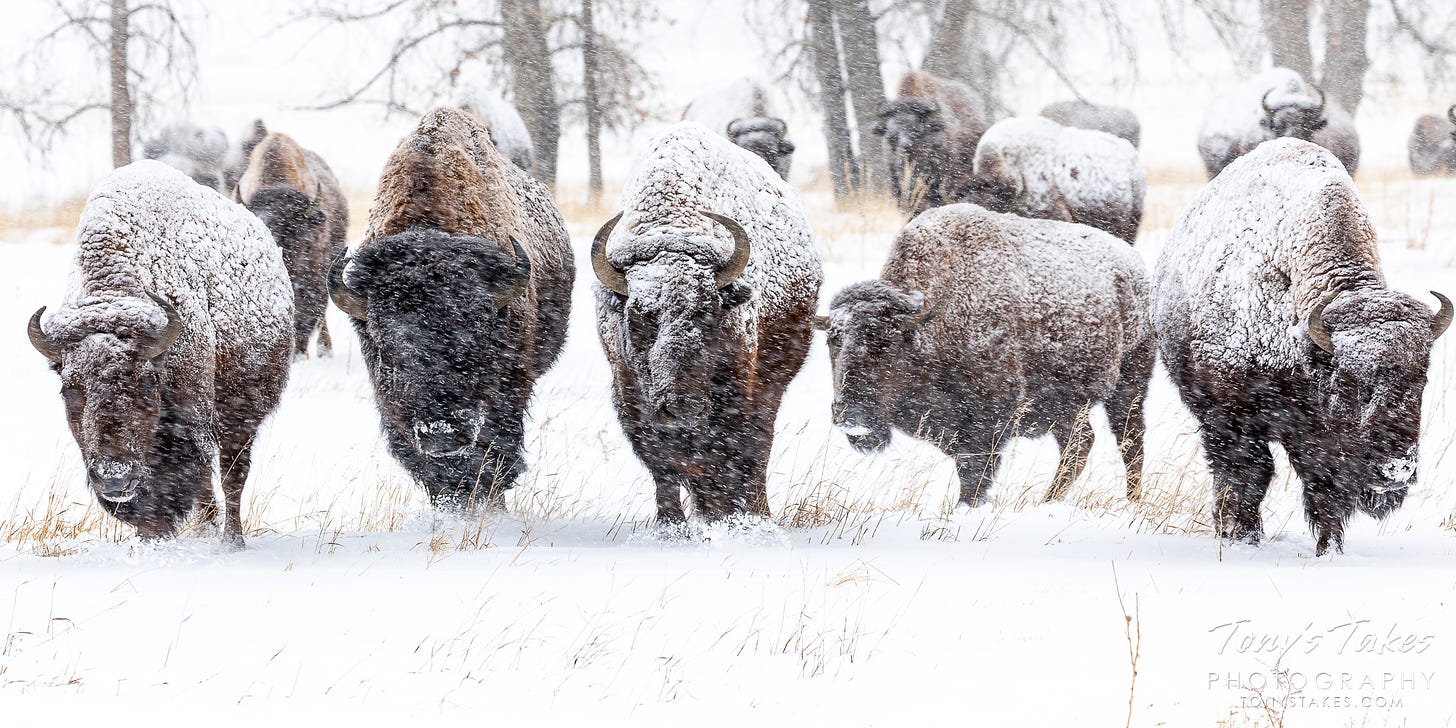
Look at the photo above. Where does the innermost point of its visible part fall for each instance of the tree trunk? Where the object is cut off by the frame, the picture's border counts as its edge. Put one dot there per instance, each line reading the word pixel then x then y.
pixel 1286 27
pixel 590 69
pixel 946 55
pixel 121 109
pixel 529 56
pixel 825 42
pixel 1343 75
pixel 866 90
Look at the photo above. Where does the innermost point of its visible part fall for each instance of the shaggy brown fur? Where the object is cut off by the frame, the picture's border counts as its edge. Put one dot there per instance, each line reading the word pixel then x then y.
pixel 931 130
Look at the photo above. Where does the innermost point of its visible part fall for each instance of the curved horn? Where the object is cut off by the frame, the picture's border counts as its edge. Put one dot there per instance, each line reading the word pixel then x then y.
pixel 738 262
pixel 1264 102
pixel 38 338
pixel 606 272
pixel 783 129
pixel 347 299
pixel 728 130
pixel 1321 108
pixel 1318 332
pixel 1443 317
pixel 170 333
pixel 821 322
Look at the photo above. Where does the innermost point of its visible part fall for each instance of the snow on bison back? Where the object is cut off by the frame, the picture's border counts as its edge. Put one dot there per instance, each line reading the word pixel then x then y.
pixel 1275 321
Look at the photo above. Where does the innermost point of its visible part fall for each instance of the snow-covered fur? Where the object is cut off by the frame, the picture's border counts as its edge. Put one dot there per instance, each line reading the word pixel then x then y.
pixel 238 156
pixel 149 423
pixel 1035 167
pixel 293 191
pixel 195 150
pixel 985 326
pixel 1113 120
pixel 501 120
pixel 1275 237
pixel 460 294
pixel 700 353
pixel 930 130
pixel 1276 103
pixel 741 112
pixel 1433 144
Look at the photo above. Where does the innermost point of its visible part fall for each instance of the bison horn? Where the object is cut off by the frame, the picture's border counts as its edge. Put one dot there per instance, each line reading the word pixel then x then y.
pixel 821 323
pixel 1264 102
pixel 38 338
pixel 1443 317
pixel 1321 108
pixel 170 332
pixel 347 299
pixel 782 130
pixel 1318 332
pixel 606 272
pixel 738 262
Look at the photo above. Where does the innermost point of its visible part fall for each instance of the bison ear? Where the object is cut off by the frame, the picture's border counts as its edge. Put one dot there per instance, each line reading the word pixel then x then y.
pixel 1322 123
pixel 878 128
pixel 314 216
pixel 821 323
pixel 1266 122
pixel 786 147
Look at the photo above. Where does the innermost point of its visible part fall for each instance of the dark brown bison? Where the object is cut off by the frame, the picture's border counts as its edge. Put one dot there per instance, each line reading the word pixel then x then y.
pixel 1433 144
pixel 741 111
pixel 1113 120
pixel 930 130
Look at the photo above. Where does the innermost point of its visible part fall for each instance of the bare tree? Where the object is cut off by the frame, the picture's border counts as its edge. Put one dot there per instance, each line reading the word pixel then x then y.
pixel 592 97
pixel 1427 26
pixel 860 50
pixel 1286 26
pixel 1343 75
pixel 827 54
pixel 146 49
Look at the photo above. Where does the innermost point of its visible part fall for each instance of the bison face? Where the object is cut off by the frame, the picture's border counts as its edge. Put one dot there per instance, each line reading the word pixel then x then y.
pixel 111 384
pixel 671 298
pixel 293 218
pixel 439 332
pixel 1375 350
pixel 764 137
pixel 991 191
pixel 1298 119
pixel 910 126
pixel 871 329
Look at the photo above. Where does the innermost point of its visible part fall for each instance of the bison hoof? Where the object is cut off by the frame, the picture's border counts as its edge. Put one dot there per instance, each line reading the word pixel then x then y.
pixel 233 543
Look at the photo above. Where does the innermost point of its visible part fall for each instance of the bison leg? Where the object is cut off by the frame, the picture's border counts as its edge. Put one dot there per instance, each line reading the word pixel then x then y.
pixel 1075 440
pixel 669 502
pixel 1125 416
pixel 325 343
pixel 976 471
pixel 1242 467
pixel 236 453
pixel 1327 507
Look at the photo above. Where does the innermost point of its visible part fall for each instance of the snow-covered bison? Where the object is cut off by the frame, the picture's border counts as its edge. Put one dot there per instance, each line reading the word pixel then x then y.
pixel 1277 103
pixel 172 346
pixel 741 112
pixel 707 285
pixel 983 326
pixel 1275 322
pixel 930 131
pixel 502 122
pixel 293 191
pixel 459 294
pixel 1433 144
pixel 1113 120
pixel 1035 167
pixel 197 151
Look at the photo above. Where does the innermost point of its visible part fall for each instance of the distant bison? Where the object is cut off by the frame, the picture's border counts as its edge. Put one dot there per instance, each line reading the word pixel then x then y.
pixel 707 285
pixel 1035 167
pixel 1113 120
pixel 172 346
pixel 1277 103
pixel 742 113
pixel 197 151
pixel 460 294
pixel 1275 321
pixel 235 163
pixel 930 130
pixel 985 326
pixel 297 196
pixel 1433 144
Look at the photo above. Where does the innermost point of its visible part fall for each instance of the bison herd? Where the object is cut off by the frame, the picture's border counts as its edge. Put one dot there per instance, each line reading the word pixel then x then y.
pixel 1010 305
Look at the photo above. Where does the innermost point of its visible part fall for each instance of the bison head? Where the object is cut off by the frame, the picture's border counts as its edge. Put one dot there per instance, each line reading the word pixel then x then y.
pixel 672 294
pixel 1299 119
pixel 294 219
pixel 1374 349
pixel 870 329
pixel 910 124
pixel 196 151
pixel 994 192
pixel 432 311
pixel 764 137
pixel 110 360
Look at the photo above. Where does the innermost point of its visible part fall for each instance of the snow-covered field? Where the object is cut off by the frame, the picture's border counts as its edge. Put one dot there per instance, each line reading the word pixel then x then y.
pixel 865 601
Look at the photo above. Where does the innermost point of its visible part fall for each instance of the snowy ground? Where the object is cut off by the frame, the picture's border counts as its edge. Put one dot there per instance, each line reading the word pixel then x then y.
pixel 865 602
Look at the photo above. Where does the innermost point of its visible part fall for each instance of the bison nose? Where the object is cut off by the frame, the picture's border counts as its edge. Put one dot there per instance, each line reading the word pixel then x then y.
pixel 683 411
pixel 441 438
pixel 117 483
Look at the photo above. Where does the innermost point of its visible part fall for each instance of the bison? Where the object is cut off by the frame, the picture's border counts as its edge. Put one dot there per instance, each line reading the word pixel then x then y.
pixel 742 113
pixel 293 191
pixel 984 326
pixel 460 294
pixel 238 156
pixel 1275 321
pixel 707 281
pixel 930 132
pixel 198 152
pixel 1035 167
pixel 1113 120
pixel 1277 103
pixel 502 122
pixel 172 346
pixel 1433 144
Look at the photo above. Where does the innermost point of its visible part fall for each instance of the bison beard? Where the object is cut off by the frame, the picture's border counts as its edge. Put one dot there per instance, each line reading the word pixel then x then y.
pixel 444 326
